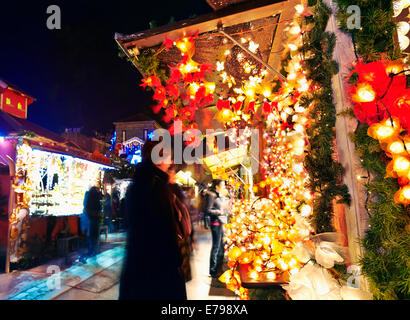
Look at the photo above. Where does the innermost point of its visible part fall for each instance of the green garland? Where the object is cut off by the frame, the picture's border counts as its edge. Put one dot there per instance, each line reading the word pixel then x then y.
pixel 325 173
pixel 386 261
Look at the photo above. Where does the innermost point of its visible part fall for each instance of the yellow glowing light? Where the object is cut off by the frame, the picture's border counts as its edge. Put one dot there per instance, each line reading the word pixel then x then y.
pixel 292 46
pixel 389 123
pixel 291 76
pixel 266 240
pixel 254 275
pixel 188 68
pixel 406 192
pixel 250 92
pixel 271 275
pixel 295 30
pixel 300 143
pixel 299 8
pixel 227 52
pixel 396 147
pixel 253 46
pixel 210 86
pixel 283 265
pixel 364 93
pixel 384 132
pixel 305 210
pixel 266 93
pixel 219 66
pixel 401 164
pixel 194 86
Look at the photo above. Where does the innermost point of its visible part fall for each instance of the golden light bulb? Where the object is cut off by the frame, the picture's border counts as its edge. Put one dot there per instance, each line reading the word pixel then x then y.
pixel 292 46
pixel 406 192
pixel 253 46
pixel 254 275
pixel 396 147
pixel 291 76
pixel 271 275
pixel 305 210
pixel 210 86
pixel 364 93
pixel 295 30
pixel 266 93
pixel 384 132
pixel 250 92
pixel 299 8
pixel 401 164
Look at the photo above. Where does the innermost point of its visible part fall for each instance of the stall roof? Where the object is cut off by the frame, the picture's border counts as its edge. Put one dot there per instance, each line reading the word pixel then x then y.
pixel 10 125
pixel 4 84
pixel 14 127
pixel 232 15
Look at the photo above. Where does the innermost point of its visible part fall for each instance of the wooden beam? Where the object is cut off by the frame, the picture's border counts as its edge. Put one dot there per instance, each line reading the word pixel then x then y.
pixel 206 23
pixel 287 13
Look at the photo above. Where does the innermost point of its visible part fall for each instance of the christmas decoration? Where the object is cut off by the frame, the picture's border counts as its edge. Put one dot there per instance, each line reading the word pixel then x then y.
pixel 387 239
pixel 185 90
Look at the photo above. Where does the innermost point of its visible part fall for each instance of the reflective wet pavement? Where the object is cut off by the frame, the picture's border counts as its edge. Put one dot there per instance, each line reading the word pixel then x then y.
pixel 99 278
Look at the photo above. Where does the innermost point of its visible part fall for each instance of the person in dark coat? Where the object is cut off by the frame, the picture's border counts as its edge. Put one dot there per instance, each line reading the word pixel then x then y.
pixel 183 215
pixel 152 267
pixel 215 210
pixel 92 207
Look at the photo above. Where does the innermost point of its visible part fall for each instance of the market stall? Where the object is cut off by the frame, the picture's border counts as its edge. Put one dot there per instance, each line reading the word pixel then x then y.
pixel 49 178
pixel 221 72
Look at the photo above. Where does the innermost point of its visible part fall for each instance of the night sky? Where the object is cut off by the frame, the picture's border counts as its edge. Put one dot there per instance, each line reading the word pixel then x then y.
pixel 75 73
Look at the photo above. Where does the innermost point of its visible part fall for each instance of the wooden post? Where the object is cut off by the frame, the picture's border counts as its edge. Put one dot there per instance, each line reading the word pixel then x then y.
pixel 12 172
pixel 356 215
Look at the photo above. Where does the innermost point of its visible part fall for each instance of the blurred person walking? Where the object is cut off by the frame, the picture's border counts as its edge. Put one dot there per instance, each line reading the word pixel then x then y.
pixel 152 267
pixel 183 223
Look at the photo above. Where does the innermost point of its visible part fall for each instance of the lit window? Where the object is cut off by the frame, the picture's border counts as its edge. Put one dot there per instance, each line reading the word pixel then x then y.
pixel 8 101
pixel 19 106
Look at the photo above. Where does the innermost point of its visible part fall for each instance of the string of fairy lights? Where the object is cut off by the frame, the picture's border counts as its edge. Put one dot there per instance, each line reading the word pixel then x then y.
pixel 262 234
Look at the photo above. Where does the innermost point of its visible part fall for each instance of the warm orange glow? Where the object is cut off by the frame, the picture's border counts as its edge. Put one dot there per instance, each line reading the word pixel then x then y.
pixel 271 275
pixel 406 192
pixel 396 147
pixel 401 165
pixel 364 93
pixel 403 196
pixel 266 93
pixel 384 132
pixel 250 92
